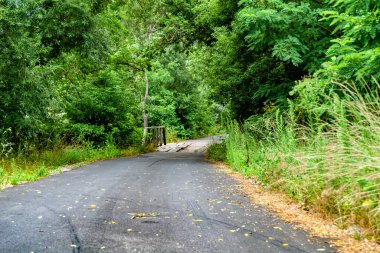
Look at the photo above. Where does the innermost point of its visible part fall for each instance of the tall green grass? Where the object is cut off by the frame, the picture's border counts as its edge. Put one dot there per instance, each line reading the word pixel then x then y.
pixel 33 166
pixel 332 165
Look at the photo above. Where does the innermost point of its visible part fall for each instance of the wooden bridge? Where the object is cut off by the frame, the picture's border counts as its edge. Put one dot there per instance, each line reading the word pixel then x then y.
pixel 155 135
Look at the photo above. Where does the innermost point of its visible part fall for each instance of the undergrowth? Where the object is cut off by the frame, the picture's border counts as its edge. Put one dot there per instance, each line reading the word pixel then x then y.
pixel 330 165
pixel 217 152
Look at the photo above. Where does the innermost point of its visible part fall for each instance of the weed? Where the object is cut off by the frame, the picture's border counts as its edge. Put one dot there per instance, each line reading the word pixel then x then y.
pixel 217 152
pixel 17 176
pixel 42 171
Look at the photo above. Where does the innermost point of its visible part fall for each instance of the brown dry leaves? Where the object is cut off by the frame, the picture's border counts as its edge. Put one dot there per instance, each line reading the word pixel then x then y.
pixel 293 212
pixel 144 215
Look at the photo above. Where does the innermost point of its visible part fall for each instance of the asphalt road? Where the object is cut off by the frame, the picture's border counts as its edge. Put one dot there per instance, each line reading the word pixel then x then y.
pixel 159 202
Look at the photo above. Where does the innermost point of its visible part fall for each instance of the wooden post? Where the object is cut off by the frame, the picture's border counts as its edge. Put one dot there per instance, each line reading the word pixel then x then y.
pixel 164 136
pixel 161 136
pixel 155 136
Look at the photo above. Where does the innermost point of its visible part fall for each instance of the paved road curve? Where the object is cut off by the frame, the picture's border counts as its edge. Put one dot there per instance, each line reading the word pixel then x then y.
pixel 160 202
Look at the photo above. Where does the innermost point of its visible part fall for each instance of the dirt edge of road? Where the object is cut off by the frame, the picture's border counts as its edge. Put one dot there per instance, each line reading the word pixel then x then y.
pixel 283 207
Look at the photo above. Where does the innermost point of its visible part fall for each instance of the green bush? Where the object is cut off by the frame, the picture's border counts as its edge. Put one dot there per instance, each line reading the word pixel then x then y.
pixel 217 152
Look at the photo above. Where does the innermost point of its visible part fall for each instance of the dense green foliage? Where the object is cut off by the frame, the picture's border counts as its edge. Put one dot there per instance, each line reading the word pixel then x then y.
pixel 277 67
pixel 73 72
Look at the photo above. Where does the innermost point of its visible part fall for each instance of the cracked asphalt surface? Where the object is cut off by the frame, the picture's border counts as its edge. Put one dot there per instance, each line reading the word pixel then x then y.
pixel 159 202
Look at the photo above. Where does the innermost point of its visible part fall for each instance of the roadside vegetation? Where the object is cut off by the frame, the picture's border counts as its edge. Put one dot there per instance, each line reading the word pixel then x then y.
pixel 331 167
pixel 294 84
pixel 303 110
pixel 18 169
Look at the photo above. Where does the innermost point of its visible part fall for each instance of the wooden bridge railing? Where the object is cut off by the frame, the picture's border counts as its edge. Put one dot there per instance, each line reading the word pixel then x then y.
pixel 155 135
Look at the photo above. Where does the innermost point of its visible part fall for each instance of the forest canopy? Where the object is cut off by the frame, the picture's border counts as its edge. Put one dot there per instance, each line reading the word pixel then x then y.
pixel 73 71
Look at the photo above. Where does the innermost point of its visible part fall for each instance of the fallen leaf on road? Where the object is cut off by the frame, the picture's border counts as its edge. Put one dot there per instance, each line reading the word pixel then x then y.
pixel 144 215
pixel 110 222
pixel 93 206
pixel 197 220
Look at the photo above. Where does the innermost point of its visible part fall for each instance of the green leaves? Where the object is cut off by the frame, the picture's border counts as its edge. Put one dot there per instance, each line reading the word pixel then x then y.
pixel 22 100
pixel 289 49
pixel 286 29
pixel 44 46
pixel 355 54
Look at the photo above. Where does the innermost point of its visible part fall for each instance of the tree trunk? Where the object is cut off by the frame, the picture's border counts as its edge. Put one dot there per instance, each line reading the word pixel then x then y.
pixel 144 102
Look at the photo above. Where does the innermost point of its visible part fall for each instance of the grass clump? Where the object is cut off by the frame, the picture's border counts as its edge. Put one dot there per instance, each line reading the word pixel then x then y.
pixel 217 152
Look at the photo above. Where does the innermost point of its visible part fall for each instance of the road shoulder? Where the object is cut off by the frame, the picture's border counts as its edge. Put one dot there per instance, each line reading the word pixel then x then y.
pixel 292 212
